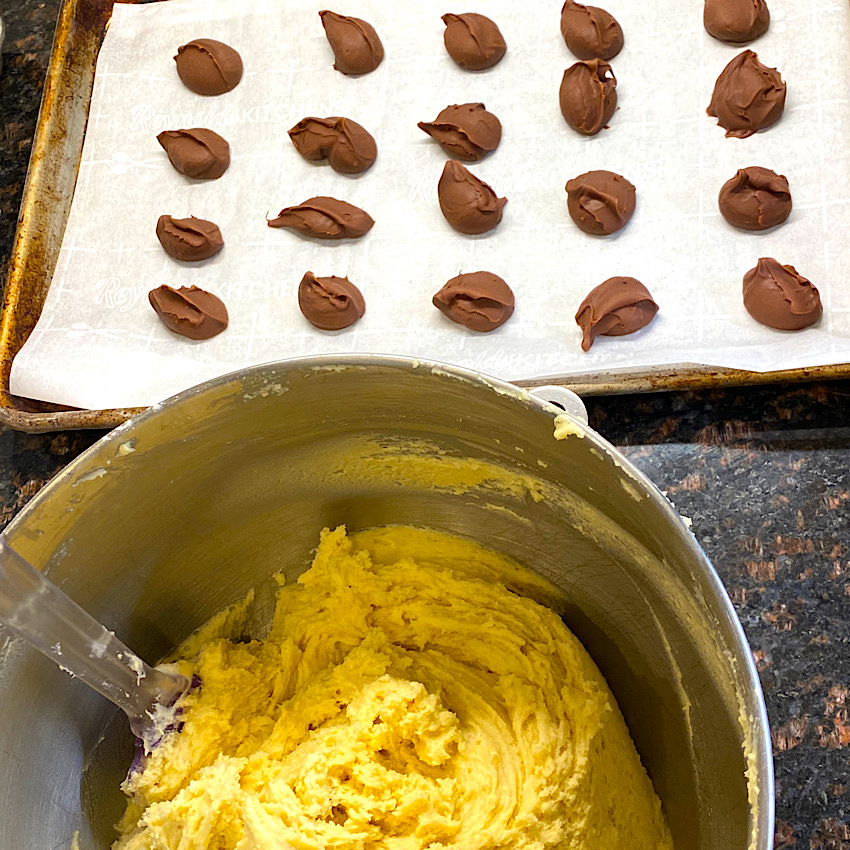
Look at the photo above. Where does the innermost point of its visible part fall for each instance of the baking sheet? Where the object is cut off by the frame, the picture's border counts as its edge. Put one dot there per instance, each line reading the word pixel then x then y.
pixel 99 344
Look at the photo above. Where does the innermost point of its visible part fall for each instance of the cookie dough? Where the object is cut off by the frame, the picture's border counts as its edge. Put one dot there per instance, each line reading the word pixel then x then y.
pixel 748 96
pixel 189 311
pixel 198 153
pixel 474 42
pixel 189 239
pixel 618 307
pixel 325 218
pixel 588 96
pixel 356 46
pixel 404 698
pixel 736 21
pixel 469 204
pixel 465 131
pixel 780 297
pixel 348 147
pixel 755 198
pixel 590 32
pixel 480 301
pixel 330 303
pixel 601 202
pixel 208 67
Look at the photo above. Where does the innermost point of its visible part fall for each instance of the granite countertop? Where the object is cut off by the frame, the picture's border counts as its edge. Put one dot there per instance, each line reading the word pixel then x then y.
pixel 764 474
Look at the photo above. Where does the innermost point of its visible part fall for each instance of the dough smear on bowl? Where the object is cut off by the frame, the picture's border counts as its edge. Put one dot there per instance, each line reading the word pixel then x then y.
pixel 407 696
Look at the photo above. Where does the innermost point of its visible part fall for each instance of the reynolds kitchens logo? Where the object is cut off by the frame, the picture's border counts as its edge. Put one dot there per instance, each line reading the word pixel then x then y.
pixel 110 292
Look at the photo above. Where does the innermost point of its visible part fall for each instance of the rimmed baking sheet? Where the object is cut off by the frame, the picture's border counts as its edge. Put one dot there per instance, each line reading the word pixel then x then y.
pixel 660 138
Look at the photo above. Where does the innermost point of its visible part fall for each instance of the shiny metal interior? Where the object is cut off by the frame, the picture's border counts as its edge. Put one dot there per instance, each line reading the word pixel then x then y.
pixel 184 509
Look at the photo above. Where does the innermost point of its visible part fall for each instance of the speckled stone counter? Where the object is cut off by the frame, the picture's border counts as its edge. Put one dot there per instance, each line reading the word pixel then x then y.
pixel 764 474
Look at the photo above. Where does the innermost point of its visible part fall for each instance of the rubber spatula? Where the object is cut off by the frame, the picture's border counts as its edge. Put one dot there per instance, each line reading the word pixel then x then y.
pixel 34 609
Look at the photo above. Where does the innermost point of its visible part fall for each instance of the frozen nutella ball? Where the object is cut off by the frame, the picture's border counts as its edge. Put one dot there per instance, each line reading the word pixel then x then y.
pixel 780 297
pixel 356 46
pixel 600 202
pixel 469 205
pixel 330 303
pixel 736 21
pixel 755 199
pixel 588 96
pixel 466 131
pixel 348 147
pixel 590 32
pixel 473 41
pixel 189 239
pixel 189 311
pixel 198 153
pixel 617 307
pixel 325 218
pixel 208 67
pixel 480 301
pixel 748 96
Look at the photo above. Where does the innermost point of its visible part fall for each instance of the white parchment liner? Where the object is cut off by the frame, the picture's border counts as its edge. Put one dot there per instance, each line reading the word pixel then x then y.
pixel 99 344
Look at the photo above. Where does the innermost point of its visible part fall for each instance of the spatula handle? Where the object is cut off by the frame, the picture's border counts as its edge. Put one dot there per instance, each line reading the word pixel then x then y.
pixel 35 610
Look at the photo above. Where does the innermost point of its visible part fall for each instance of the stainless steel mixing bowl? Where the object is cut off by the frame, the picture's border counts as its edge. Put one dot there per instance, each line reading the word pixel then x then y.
pixel 184 509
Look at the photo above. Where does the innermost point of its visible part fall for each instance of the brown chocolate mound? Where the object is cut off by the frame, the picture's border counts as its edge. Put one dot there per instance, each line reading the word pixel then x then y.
pixel 466 131
pixel 208 67
pixel 590 32
pixel 736 21
pixel 780 297
pixel 348 147
pixel 356 46
pixel 617 307
pixel 325 218
pixel 480 301
pixel 189 311
pixel 748 96
pixel 198 153
pixel 330 303
pixel 469 205
pixel 588 96
pixel 473 41
pixel 189 239
pixel 600 202
pixel 755 199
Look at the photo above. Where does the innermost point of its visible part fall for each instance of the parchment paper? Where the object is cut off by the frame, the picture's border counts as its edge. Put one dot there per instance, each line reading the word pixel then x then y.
pixel 99 344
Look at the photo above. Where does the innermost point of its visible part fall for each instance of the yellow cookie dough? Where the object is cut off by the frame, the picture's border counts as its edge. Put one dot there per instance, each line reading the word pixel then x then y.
pixel 405 698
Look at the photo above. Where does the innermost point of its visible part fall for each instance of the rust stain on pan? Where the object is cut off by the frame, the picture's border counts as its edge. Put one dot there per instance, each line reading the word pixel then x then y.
pixel 48 191
pixel 49 187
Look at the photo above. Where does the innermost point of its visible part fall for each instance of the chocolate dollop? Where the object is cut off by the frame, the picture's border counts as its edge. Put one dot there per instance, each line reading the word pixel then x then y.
pixel 473 41
pixel 348 147
pixel 590 32
pixel 207 66
pixel 736 21
pixel 466 131
pixel 755 199
pixel 600 202
pixel 748 96
pixel 617 307
pixel 356 46
pixel 588 96
pixel 198 153
pixel 189 239
pixel 480 301
pixel 325 218
pixel 189 311
pixel 330 303
pixel 780 297
pixel 469 205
